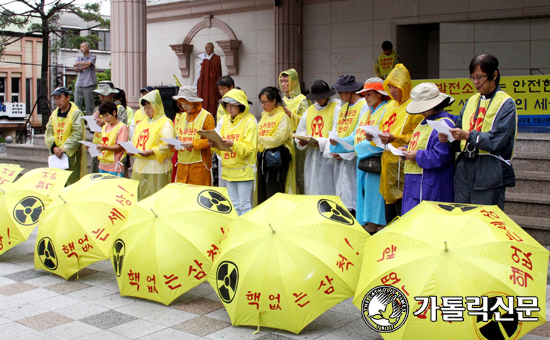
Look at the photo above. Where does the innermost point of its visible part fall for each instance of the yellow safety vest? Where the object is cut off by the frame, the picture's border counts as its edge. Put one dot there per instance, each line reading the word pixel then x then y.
pixel 62 127
pixel 99 135
pixel 292 104
pixel 235 131
pixel 268 124
pixel 488 109
pixel 369 118
pixel 187 132
pixel 419 141
pixel 385 63
pixel 109 139
pixel 319 123
pixel 348 121
pixel 139 117
pixel 149 135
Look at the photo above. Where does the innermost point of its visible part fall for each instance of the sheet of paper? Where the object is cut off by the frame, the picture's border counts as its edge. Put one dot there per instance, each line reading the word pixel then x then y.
pixel 92 148
pixel 441 127
pixel 59 163
pixel 346 145
pixel 378 142
pixel 178 145
pixel 373 130
pixel 130 147
pixel 394 150
pixel 92 124
pixel 312 142
pixel 214 136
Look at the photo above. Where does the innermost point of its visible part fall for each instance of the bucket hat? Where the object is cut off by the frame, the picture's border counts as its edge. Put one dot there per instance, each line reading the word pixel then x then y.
pixel 426 96
pixel 188 93
pixel 347 83
pixel 320 90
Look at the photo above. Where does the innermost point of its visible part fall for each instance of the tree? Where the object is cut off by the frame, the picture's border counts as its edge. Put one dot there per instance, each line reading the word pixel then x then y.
pixel 41 17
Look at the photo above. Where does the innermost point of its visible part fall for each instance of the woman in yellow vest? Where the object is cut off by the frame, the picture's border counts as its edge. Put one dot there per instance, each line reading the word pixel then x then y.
pixel 195 160
pixel 296 105
pixel 370 212
pixel 113 132
pixel 138 114
pixel 152 167
pixel 64 131
pixel 485 136
pixel 429 165
pixel 240 133
pixel 345 168
pixel 316 123
pixel 275 148
pixel 397 127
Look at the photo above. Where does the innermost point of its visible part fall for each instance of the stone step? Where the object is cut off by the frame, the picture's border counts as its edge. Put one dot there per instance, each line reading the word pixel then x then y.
pixel 537 227
pixel 28 162
pixel 38 140
pixel 531 182
pixel 532 142
pixel 26 150
pixel 531 161
pixel 525 204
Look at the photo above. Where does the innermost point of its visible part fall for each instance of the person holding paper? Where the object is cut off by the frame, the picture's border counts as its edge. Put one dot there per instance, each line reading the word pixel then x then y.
pixel 317 122
pixel 429 164
pixel 275 138
pixel 345 168
pixel 152 166
pixel 194 163
pixel 64 131
pixel 112 133
pixel 240 133
pixel 485 136
pixel 370 203
pixel 397 127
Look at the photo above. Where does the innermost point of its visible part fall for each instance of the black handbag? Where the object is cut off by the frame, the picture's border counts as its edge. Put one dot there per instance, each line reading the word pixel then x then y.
pixel 276 157
pixel 372 164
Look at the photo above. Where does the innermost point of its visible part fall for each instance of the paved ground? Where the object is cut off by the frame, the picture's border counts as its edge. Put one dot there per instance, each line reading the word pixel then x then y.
pixel 38 305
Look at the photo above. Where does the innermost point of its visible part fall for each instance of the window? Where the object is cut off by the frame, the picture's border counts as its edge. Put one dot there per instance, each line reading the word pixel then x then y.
pixel 2 90
pixel 28 94
pixel 105 43
pixel 66 36
pixel 15 88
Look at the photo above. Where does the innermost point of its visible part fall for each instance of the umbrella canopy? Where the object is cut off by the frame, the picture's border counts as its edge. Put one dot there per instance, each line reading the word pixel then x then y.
pixel 79 227
pixel 289 260
pixel 8 174
pixel 23 201
pixel 441 253
pixel 171 238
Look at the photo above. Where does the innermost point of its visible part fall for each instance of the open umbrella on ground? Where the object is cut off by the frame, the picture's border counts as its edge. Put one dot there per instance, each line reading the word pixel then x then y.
pixel 288 260
pixel 23 201
pixel 8 174
pixel 79 227
pixel 452 271
pixel 171 238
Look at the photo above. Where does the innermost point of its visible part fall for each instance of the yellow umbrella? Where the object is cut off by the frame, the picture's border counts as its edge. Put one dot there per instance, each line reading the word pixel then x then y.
pixel 79 227
pixel 8 174
pixel 441 253
pixel 287 261
pixel 171 238
pixel 23 201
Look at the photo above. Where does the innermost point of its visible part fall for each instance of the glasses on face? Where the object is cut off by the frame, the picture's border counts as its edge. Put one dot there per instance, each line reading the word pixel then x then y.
pixel 478 77
pixel 265 102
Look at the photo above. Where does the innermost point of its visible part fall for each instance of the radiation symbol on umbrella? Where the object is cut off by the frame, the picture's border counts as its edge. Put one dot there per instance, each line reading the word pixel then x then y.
pixel 28 210
pixel 214 201
pixel 227 278
pixel 100 177
pixel 456 208
pixel 46 253
pixel 332 211
pixel 119 249
pixel 493 329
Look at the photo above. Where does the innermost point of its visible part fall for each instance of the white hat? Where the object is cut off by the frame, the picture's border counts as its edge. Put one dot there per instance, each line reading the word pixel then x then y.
pixel 426 96
pixel 105 88
pixel 188 93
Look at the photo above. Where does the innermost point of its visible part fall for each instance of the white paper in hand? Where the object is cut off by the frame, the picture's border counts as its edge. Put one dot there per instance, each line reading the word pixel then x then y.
pixel 128 146
pixel 373 130
pixel 92 148
pixel 346 145
pixel 178 144
pixel 59 163
pixel 441 127
pixel 378 142
pixel 92 124
pixel 394 150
